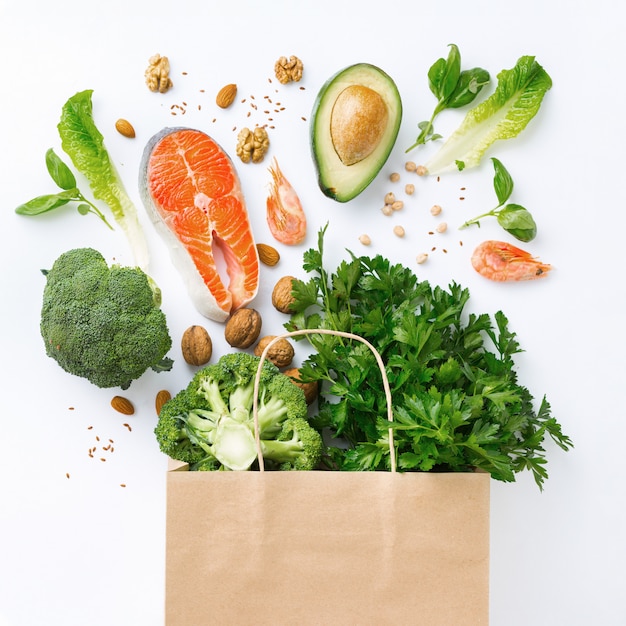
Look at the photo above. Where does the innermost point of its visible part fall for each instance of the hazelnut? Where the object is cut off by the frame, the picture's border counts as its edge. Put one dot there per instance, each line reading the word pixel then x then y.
pixel 196 345
pixel 243 328
pixel 281 295
pixel 281 352
pixel 310 388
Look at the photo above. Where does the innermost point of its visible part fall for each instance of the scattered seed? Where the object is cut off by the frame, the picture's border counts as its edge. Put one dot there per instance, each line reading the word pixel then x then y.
pixel 122 485
pixel 365 240
pixel 462 198
pixel 409 189
pixel 97 438
pixel 460 243
pixel 445 251
pixel 127 426
pixel 435 209
pixel 71 408
pixel 441 228
pixel 89 427
pixel 398 231
pixel 421 258
pixel 67 475
pixel 103 459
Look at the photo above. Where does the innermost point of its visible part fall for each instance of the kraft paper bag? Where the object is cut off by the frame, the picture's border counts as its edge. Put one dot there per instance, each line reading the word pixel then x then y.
pixel 327 548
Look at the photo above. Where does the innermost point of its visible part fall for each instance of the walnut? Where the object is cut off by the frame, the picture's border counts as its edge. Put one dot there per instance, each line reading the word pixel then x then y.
pixel 158 74
pixel 288 70
pixel 281 352
pixel 196 345
pixel 252 145
pixel 243 328
pixel 310 388
pixel 281 295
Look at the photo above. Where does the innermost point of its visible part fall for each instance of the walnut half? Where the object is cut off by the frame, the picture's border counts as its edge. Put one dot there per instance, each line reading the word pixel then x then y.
pixel 288 70
pixel 158 74
pixel 252 145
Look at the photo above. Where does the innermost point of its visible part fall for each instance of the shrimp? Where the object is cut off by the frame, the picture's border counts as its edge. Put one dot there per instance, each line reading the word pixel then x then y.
pixel 285 216
pixel 500 261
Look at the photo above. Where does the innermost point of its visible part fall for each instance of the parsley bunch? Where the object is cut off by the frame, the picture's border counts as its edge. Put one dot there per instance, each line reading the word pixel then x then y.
pixel 457 403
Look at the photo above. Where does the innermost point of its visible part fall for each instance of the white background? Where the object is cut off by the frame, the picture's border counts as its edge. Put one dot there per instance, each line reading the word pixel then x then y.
pixel 84 550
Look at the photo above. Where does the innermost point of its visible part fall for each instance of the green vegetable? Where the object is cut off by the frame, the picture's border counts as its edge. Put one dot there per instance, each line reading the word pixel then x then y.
pixel 84 144
pixel 210 423
pixel 65 180
pixel 515 219
pixel 457 402
pixel 103 323
pixel 505 114
pixel 453 89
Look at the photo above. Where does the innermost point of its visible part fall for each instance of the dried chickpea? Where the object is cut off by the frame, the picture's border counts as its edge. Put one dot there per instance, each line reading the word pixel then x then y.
pixel 398 205
pixel 395 177
pixel 435 209
pixel 398 231
pixel 409 189
pixel 410 166
pixel 421 258
pixel 441 228
pixel 390 198
pixel 420 170
pixel 387 209
pixel 365 240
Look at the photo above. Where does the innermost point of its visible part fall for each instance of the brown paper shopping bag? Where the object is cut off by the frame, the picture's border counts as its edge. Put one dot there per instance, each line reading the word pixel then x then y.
pixel 327 548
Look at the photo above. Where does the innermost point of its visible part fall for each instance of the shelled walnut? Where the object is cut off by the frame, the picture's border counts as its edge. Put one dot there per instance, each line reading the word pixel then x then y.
pixel 158 74
pixel 288 70
pixel 252 145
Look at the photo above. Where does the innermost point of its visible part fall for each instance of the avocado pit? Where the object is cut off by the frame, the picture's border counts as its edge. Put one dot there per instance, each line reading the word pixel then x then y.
pixel 358 122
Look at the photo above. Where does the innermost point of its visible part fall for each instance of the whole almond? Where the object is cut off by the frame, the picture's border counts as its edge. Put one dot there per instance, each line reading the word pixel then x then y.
pixel 161 398
pixel 226 96
pixel 122 405
pixel 124 127
pixel 268 255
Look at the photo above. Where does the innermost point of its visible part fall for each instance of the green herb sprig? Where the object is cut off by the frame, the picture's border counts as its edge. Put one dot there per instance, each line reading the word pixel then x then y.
pixel 66 181
pixel 457 402
pixel 453 88
pixel 514 218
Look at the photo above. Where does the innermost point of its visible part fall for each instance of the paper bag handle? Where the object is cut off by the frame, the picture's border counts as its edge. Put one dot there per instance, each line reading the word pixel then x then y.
pixel 320 331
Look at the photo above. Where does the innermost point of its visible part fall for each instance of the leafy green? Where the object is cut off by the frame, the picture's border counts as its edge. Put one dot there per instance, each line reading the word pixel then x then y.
pixel 457 401
pixel 514 218
pixel 506 113
pixel 453 88
pixel 84 144
pixel 66 181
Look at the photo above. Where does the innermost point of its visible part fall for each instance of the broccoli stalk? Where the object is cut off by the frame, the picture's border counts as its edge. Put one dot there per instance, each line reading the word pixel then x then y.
pixel 210 424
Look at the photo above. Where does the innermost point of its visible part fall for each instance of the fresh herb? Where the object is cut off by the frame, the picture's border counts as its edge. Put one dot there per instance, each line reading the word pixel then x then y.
pixel 84 144
pixel 453 88
pixel 65 180
pixel 506 113
pixel 515 219
pixel 457 402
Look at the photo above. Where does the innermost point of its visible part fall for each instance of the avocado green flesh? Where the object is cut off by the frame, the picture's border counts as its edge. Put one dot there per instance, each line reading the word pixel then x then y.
pixel 337 180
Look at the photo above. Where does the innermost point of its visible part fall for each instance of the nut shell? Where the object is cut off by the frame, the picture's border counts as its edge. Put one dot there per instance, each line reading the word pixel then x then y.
pixel 281 294
pixel 243 328
pixel 281 353
pixel 310 389
pixel 196 346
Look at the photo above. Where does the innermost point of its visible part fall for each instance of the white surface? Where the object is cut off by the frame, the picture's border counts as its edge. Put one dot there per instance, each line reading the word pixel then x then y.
pixel 84 550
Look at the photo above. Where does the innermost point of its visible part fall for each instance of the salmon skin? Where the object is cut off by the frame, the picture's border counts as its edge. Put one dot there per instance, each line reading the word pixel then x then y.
pixel 193 195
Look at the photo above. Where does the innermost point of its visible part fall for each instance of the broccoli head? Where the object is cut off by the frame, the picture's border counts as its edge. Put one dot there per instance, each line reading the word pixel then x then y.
pixel 103 323
pixel 210 423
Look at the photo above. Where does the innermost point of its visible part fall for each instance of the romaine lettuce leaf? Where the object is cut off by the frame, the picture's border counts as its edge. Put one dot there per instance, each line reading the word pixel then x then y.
pixel 84 144
pixel 505 114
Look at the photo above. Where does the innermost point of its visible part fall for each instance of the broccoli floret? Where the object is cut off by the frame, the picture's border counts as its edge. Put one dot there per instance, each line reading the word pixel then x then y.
pixel 210 423
pixel 103 323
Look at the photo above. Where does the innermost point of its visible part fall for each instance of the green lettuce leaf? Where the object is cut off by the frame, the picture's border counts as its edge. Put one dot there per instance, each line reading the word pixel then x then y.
pixel 84 144
pixel 503 115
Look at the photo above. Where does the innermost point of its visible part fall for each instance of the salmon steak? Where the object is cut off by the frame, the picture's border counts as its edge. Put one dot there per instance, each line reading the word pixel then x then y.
pixel 192 193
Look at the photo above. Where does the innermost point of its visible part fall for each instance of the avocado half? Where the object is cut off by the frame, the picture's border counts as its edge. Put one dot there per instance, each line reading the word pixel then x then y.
pixel 354 125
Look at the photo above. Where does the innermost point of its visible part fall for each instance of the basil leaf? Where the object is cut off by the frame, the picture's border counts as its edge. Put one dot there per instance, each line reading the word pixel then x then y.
pixel 468 87
pixel 43 204
pixel 502 182
pixel 517 221
pixel 435 77
pixel 60 173
pixel 444 74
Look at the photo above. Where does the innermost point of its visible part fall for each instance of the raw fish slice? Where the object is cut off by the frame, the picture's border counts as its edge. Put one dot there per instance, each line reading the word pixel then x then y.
pixel 192 193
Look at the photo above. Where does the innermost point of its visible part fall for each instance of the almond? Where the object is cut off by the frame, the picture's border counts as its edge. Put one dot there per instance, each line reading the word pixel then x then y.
pixel 124 127
pixel 226 96
pixel 161 398
pixel 122 405
pixel 268 255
